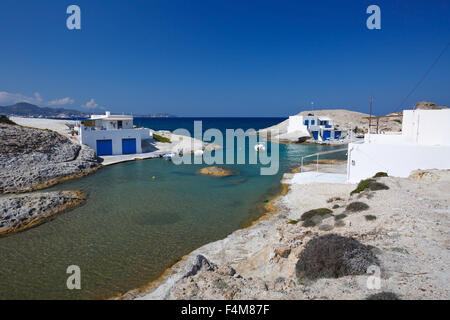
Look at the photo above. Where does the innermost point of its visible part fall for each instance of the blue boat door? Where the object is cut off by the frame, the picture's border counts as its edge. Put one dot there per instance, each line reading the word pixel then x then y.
pixel 128 146
pixel 316 135
pixel 326 134
pixel 104 147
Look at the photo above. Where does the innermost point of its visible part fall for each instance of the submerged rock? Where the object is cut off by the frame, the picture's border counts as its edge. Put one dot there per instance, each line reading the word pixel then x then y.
pixel 217 171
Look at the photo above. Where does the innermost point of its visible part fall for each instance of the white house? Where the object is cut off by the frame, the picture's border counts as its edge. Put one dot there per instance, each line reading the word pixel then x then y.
pixel 320 127
pixel 424 143
pixel 112 134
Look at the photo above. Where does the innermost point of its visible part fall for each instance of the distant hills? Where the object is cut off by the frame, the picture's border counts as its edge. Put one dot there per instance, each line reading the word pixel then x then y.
pixel 24 109
pixel 157 115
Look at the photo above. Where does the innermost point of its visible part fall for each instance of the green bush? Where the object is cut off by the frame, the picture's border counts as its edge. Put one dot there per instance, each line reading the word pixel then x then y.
pixel 356 207
pixel 370 184
pixel 314 217
pixel 159 138
pixel 315 212
pixel 293 222
pixel 363 185
pixel 370 217
pixel 380 174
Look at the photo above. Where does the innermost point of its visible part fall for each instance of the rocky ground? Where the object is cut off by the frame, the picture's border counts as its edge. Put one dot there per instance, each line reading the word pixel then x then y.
pixel 32 159
pixel 19 212
pixel 387 240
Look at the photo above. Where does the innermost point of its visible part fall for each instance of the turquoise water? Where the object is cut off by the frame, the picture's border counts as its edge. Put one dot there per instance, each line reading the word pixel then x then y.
pixel 133 226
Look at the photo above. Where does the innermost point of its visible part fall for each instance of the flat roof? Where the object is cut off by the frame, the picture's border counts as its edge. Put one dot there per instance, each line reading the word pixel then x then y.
pixel 116 118
pixel 111 117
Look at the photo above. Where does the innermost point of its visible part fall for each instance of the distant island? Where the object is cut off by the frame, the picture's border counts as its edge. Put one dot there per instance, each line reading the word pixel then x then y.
pixel 24 109
pixel 157 115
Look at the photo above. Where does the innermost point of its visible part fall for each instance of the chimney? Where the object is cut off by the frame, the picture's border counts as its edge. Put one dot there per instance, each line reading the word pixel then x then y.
pixel 108 113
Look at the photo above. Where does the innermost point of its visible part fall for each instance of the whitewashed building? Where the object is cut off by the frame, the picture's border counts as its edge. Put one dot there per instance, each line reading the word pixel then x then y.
pixel 321 128
pixel 424 143
pixel 112 134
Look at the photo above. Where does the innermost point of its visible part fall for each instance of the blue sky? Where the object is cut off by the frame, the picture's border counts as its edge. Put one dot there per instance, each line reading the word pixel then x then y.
pixel 223 58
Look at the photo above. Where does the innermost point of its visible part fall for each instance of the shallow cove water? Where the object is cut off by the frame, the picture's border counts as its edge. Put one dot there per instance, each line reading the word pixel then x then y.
pixel 139 218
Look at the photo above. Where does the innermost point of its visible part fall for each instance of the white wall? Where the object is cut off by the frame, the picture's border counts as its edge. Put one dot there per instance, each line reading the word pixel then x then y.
pixel 90 138
pixel 296 124
pixel 398 160
pixel 113 124
pixel 427 127
pixel 384 138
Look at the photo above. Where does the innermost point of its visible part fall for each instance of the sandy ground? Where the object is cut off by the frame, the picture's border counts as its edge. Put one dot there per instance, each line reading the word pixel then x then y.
pixel 410 233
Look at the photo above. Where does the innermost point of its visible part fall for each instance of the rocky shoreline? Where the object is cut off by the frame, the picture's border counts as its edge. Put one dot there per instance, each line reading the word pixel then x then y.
pixel 20 212
pixel 395 228
pixel 32 159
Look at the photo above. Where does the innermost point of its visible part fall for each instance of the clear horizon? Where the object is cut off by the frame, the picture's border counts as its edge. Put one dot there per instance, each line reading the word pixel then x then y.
pixel 222 58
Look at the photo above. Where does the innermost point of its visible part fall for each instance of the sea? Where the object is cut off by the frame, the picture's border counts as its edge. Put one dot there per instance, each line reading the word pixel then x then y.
pixel 141 217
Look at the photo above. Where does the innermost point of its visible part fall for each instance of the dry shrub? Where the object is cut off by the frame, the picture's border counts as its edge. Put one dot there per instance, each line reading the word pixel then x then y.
pixel 334 256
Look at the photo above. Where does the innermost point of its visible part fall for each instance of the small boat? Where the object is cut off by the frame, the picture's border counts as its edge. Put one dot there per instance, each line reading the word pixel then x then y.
pixel 169 156
pixel 260 148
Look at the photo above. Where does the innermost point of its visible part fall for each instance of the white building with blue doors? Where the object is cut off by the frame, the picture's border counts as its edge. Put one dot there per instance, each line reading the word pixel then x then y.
pixel 112 134
pixel 321 128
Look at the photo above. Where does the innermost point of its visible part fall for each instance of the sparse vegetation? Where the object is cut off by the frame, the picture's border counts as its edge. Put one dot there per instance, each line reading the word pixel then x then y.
pixel 336 206
pixel 293 222
pixel 325 227
pixel 375 186
pixel 380 174
pixel 400 250
pixel 370 184
pixel 5 120
pixel 314 217
pixel 339 223
pixel 357 207
pixel 316 212
pixel 370 217
pixel 340 216
pixel 383 296
pixel 363 185
pixel 333 199
pixel 159 138
pixel 334 256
